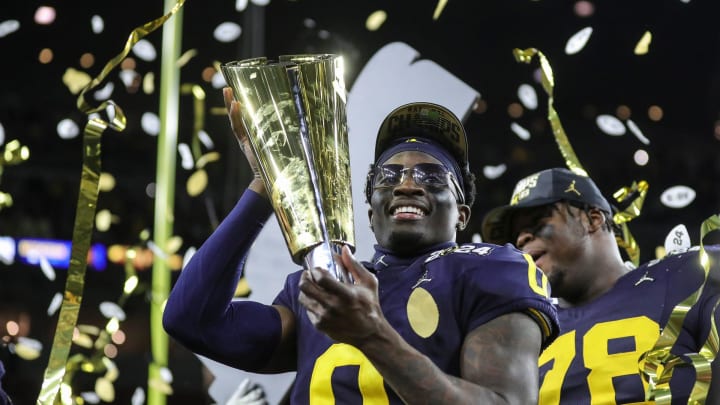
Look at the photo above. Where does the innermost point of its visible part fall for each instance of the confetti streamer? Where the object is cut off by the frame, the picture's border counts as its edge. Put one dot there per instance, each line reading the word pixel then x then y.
pixel 548 83
pixel 85 214
pixel 657 364
pixel 624 238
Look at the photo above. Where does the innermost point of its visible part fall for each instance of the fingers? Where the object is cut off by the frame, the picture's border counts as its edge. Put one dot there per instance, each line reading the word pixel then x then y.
pixel 359 272
pixel 233 109
pixel 228 97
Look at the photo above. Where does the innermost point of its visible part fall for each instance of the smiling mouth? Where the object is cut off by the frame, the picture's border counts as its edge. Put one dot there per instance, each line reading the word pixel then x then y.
pixel 407 212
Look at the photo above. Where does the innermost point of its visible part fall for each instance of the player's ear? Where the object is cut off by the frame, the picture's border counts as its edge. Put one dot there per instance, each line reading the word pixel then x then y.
pixel 463 216
pixel 596 219
pixel 370 215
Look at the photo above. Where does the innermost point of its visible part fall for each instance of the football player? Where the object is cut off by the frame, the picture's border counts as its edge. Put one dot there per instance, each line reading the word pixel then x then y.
pixel 610 314
pixel 425 321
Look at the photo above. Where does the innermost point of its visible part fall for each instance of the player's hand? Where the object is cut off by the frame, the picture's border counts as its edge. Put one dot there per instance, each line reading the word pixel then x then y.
pixel 241 134
pixel 348 313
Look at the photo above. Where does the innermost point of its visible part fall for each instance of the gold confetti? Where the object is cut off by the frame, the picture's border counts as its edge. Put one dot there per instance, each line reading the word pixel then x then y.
pixel 173 244
pixel 148 83
pixel 105 390
pixel 207 158
pixel 28 349
pixel 375 20
pixel 641 48
pixel 103 219
pixel 439 8
pixel 106 182
pixel 160 385
pixel 75 80
pixel 185 58
pixel 82 340
pixel 197 183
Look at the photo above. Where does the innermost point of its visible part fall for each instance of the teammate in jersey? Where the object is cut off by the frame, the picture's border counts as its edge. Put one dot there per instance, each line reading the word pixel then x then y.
pixel 426 321
pixel 610 314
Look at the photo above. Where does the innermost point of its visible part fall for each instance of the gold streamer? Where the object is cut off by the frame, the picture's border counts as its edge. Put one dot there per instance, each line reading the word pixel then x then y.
pixel 14 153
pixel 548 83
pixel 85 213
pixel 657 364
pixel 637 191
pixel 624 239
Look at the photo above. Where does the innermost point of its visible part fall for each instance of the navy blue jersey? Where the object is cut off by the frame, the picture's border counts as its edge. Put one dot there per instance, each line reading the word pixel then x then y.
pixel 4 399
pixel 595 358
pixel 433 300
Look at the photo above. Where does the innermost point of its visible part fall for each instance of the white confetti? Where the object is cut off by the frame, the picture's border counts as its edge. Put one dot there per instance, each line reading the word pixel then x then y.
pixel 241 5
pixel 260 2
pixel 227 32
pixel 138 397
pixel 47 268
pixel 528 96
pixel 637 132
pixel 476 238
pixel 105 92
pixel 90 397
pixel 206 140
pixel 188 255
pixel 493 172
pixel 7 250
pixel 150 123
pixel 54 304
pixel 610 125
pixel 166 375
pixel 45 15
pixel 145 50
pixel 7 27
pixel 678 240
pixel 218 81
pixel 97 23
pixel 157 251
pixel 27 348
pixel 2 134
pixel 577 42
pixel 112 310
pixel 67 129
pixel 677 196
pixel 186 157
pixel 521 132
pixel 129 77
pixel 641 157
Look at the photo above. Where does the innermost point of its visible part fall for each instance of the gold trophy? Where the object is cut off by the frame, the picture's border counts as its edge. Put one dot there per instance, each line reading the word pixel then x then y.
pixel 294 113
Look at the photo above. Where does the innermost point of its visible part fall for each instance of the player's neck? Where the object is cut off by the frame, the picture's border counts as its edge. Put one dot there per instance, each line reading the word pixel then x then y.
pixel 606 271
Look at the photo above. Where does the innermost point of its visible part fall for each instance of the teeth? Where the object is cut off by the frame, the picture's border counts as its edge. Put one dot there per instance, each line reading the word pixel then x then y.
pixel 407 209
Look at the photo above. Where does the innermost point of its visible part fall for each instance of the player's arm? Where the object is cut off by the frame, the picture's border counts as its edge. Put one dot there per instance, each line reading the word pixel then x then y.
pixel 498 365
pixel 498 359
pixel 200 311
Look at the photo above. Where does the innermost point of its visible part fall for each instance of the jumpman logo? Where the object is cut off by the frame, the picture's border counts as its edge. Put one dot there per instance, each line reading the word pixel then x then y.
pixel 423 278
pixel 645 278
pixel 572 188
pixel 380 260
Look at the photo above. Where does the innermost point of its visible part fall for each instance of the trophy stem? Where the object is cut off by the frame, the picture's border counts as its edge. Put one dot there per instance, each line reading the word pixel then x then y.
pixel 322 256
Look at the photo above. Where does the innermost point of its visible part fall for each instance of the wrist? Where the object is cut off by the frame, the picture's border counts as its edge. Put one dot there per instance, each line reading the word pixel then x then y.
pixel 379 342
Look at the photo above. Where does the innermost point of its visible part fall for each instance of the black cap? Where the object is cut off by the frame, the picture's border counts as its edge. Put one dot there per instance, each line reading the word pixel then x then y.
pixel 425 120
pixel 541 188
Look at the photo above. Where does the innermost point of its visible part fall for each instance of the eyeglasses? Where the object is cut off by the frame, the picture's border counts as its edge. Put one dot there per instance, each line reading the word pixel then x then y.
pixel 423 174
